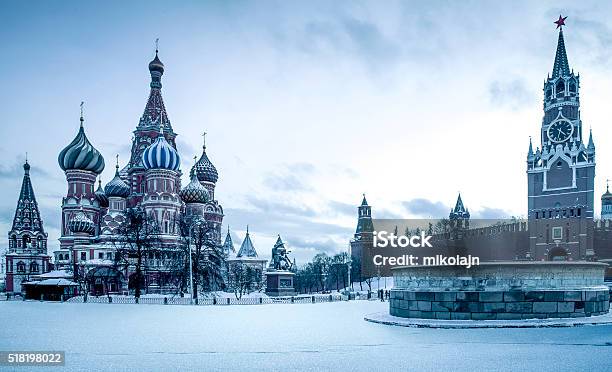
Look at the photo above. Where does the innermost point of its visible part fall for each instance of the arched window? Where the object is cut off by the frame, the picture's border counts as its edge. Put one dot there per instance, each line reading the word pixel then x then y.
pixel 560 88
pixel 33 267
pixel 13 241
pixel 572 86
pixel 21 267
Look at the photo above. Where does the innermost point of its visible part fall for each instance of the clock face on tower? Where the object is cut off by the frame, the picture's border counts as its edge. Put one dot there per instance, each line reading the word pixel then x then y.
pixel 560 131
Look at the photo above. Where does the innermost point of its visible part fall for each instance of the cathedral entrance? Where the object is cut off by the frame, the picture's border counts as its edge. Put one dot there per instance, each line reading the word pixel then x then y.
pixel 557 254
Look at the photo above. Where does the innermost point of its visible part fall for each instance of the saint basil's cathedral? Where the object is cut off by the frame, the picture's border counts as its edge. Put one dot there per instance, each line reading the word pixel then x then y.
pixel 91 215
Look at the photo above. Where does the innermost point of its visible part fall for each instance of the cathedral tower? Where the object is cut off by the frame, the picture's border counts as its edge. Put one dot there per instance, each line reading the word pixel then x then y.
pixel 27 251
pixel 561 174
pixel 146 132
pixel 82 164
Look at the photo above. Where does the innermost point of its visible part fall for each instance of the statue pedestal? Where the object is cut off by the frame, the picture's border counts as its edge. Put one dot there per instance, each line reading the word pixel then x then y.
pixel 279 283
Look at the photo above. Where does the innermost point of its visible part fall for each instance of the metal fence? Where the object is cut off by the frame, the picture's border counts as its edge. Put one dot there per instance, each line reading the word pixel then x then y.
pixel 224 301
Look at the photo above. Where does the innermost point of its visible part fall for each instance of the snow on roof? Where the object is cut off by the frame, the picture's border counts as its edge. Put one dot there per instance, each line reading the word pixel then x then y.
pixel 97 261
pixel 51 282
pixel 55 274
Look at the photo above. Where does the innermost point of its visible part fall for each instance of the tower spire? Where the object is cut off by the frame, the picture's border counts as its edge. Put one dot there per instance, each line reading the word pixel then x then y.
pixel 561 65
pixel 81 118
pixel 27 215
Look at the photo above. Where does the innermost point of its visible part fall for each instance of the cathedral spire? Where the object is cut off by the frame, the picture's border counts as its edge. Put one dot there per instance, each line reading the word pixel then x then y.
pixel 27 216
pixel 561 65
pixel 155 107
pixel 530 155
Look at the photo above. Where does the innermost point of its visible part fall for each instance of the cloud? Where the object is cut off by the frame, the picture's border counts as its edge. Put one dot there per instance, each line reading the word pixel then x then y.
pixel 279 207
pixel 341 208
pixel 596 38
pixel 490 213
pixel 513 94
pixel 289 177
pixel 284 182
pixel 426 208
pixel 15 171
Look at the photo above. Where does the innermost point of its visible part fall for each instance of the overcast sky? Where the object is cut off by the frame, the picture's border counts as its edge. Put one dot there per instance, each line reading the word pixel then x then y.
pixel 307 104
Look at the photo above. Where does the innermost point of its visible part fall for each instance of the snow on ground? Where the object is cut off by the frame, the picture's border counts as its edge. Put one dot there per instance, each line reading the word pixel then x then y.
pixel 324 336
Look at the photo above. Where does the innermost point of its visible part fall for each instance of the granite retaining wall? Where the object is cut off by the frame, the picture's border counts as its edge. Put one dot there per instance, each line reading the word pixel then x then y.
pixel 501 305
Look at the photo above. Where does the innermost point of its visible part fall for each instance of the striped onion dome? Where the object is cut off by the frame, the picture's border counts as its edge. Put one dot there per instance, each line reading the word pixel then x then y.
pixel 161 155
pixel 80 223
pixel 81 155
pixel 101 195
pixel 194 192
pixel 117 187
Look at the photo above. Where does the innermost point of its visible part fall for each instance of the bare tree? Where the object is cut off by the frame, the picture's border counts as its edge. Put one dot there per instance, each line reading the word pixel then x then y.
pixel 207 258
pixel 243 278
pixel 136 238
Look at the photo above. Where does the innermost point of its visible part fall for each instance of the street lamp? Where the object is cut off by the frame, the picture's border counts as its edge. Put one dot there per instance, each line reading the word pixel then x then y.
pixel 349 263
pixel 190 264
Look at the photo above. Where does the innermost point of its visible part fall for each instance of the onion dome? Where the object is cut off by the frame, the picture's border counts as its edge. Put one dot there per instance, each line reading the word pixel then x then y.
pixel 194 192
pixel 117 187
pixel 101 196
pixel 80 223
pixel 161 155
pixel 156 65
pixel 607 196
pixel 81 155
pixel 204 168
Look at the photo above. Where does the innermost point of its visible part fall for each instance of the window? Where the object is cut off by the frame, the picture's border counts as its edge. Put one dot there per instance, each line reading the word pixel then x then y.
pixel 34 267
pixel 557 233
pixel 109 255
pixel 20 267
pixel 83 256
pixel 101 255
pixel 560 88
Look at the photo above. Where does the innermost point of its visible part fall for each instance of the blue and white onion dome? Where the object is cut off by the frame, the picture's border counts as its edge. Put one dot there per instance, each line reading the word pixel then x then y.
pixel 161 155
pixel 117 187
pixel 194 192
pixel 81 155
pixel 80 223
pixel 101 195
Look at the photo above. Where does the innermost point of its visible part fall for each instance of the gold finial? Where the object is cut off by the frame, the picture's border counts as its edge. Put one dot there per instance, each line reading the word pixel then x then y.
pixel 117 159
pixel 204 140
pixel 156 45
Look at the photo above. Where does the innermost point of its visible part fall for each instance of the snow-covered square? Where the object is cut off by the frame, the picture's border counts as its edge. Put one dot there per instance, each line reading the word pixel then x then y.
pixel 317 337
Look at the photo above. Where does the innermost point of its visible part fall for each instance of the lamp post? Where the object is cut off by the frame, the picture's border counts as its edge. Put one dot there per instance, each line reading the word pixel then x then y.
pixel 349 262
pixel 190 265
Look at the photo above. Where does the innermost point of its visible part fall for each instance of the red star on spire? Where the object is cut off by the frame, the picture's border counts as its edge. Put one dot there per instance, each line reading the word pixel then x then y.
pixel 560 22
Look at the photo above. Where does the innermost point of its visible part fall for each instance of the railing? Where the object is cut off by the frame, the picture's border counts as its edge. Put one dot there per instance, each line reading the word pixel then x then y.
pixel 223 301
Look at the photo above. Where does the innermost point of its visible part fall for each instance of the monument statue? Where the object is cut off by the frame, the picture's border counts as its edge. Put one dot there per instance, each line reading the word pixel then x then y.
pixel 280 258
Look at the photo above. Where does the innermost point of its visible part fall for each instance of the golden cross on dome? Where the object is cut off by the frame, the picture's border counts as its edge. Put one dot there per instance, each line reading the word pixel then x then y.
pixel 156 45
